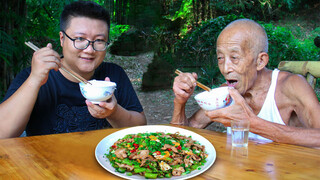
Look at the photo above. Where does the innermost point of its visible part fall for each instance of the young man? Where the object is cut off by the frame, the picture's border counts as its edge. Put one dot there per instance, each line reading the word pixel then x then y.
pixel 279 105
pixel 43 99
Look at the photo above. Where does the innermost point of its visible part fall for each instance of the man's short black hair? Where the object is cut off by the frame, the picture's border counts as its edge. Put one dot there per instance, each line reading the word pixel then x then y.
pixel 83 9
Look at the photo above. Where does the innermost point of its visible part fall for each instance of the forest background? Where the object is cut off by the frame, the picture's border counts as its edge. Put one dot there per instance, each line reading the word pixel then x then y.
pixel 179 33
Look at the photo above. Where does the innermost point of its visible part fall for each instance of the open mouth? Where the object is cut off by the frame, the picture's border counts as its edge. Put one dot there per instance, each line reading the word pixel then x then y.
pixel 232 82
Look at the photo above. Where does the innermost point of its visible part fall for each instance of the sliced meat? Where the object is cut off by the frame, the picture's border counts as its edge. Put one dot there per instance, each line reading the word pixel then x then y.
pixel 168 146
pixel 128 167
pixel 142 155
pixel 121 153
pixel 176 161
pixel 178 171
pixel 195 157
pixel 188 161
pixel 198 147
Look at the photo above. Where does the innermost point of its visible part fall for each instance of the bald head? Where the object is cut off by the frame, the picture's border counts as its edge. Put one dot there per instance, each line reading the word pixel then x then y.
pixel 255 36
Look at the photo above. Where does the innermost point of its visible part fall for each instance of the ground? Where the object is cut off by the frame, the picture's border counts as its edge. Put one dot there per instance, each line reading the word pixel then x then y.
pixel 158 105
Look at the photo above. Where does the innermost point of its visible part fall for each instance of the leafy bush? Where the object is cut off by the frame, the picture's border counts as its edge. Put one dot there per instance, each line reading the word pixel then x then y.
pixel 283 46
pixel 116 30
pixel 197 50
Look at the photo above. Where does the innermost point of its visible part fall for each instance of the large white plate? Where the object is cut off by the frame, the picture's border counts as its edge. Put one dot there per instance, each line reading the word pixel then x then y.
pixel 104 145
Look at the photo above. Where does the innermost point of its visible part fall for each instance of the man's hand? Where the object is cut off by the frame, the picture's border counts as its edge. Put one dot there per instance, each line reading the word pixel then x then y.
pixel 43 61
pixel 239 110
pixel 104 109
pixel 183 86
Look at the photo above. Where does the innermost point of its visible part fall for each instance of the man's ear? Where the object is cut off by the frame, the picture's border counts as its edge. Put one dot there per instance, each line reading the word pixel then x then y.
pixel 262 61
pixel 61 38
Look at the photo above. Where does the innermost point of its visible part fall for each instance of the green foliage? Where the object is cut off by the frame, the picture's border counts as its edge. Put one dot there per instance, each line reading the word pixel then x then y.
pixel 262 9
pixel 6 46
pixel 117 30
pixel 283 46
pixel 197 50
pixel 43 22
pixel 185 12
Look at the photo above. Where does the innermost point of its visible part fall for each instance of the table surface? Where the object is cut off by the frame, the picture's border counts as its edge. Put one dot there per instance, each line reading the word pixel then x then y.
pixel 72 156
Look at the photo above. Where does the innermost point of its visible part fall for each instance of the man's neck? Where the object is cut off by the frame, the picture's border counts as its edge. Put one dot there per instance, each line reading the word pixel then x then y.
pixel 255 96
pixel 86 76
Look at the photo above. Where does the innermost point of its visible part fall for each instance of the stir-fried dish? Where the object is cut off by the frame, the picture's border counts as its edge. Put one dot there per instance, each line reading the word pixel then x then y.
pixel 157 155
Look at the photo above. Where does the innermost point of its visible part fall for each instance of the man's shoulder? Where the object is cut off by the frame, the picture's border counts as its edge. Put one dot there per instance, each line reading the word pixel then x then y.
pixel 293 85
pixel 287 79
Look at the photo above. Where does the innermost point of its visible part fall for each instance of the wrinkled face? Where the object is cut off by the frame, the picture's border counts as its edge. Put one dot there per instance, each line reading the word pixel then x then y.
pixel 236 63
pixel 86 60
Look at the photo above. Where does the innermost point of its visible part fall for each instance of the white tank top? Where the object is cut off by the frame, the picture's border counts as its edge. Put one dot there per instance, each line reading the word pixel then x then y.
pixel 269 110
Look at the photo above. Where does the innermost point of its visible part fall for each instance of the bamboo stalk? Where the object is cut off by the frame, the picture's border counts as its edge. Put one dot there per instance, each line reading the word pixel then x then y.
pixel 204 87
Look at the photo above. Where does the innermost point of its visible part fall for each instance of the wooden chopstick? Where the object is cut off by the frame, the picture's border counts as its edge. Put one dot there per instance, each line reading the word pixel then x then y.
pixel 69 71
pixel 204 87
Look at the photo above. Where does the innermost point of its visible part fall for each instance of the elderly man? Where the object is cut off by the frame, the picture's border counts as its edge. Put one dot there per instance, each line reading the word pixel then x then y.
pixel 45 100
pixel 279 105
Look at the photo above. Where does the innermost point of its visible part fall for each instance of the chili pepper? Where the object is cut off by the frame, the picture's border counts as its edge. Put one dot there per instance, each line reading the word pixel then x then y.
pixel 113 146
pixel 158 152
pixel 133 150
pixel 179 147
pixel 169 149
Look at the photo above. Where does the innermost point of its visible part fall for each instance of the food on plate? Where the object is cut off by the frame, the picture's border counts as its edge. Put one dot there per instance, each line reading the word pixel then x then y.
pixel 157 155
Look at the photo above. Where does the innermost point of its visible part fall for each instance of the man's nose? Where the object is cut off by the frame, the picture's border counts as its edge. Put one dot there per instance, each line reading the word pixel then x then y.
pixel 89 49
pixel 228 65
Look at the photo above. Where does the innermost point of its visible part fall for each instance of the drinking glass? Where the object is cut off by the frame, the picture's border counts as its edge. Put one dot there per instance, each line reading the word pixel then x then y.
pixel 240 132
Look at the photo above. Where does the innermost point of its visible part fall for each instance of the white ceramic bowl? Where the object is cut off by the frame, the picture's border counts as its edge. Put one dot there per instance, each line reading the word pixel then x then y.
pixel 99 90
pixel 215 99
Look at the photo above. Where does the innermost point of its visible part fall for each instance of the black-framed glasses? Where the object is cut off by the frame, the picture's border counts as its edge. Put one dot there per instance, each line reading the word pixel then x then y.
pixel 82 43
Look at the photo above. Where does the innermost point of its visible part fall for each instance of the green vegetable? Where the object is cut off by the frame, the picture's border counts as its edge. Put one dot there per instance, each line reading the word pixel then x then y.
pixel 150 175
pixel 195 166
pixel 121 170
pixel 152 169
pixel 139 170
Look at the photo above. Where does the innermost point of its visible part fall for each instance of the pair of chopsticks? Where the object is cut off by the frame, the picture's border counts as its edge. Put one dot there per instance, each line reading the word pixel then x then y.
pixel 69 71
pixel 204 87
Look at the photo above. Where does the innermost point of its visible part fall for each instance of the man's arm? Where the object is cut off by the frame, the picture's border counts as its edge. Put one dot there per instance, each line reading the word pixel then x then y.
pixel 302 98
pixel 124 118
pixel 16 110
pixel 115 114
pixel 286 134
pixel 300 95
pixel 183 88
pixel 297 94
pixel 179 113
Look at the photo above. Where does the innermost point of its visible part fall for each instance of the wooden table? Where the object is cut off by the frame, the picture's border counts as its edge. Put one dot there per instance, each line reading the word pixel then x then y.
pixel 71 156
